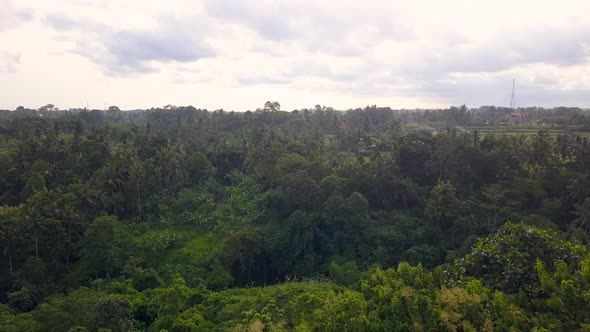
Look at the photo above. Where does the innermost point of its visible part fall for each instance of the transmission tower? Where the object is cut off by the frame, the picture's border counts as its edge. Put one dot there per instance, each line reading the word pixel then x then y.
pixel 512 97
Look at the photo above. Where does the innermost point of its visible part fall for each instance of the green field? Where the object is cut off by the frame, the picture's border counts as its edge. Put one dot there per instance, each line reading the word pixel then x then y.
pixel 522 131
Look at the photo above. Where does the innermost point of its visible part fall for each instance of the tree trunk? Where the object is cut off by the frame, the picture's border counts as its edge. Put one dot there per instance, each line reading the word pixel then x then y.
pixel 138 200
pixel 7 252
pixel 69 245
pixel 9 261
pixel 36 241
pixel 114 203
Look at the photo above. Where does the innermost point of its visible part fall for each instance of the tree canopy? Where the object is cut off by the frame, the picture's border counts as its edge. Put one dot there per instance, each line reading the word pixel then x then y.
pixel 183 219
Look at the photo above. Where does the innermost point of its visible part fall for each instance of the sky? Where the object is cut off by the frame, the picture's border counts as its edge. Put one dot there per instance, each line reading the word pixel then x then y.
pixel 236 55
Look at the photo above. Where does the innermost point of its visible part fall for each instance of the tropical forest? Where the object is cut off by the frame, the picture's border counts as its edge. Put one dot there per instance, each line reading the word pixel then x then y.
pixel 371 219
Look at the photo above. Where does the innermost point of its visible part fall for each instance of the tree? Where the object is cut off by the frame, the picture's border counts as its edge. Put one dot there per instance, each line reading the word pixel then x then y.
pixel 10 229
pixel 332 185
pixel 541 150
pixel 403 299
pixel 241 251
pixel 506 259
pixel 299 191
pixel 582 214
pixel 35 183
pixel 88 199
pixel 114 315
pixel 299 257
pixel 74 312
pixel 136 183
pixel 33 282
pixel 345 223
pixel 346 311
pixel 172 160
pixel 227 200
pixel 442 204
pixel 346 274
pixel 48 107
pixel 53 242
pixel 73 224
pixel 443 161
pixel 272 106
pixel 199 167
pixel 34 217
pixel 106 246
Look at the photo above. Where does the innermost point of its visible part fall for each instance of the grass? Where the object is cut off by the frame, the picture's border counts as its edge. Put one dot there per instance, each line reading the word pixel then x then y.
pixel 297 300
pixel 194 246
pixel 522 131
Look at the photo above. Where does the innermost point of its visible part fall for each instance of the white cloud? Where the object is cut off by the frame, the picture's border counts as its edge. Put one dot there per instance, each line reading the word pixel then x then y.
pixel 238 54
pixel 12 15
pixel 8 61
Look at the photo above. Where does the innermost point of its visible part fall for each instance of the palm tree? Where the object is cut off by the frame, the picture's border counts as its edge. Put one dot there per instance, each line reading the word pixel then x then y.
pixel 114 178
pixel 70 217
pixel 9 230
pixel 34 218
pixel 172 160
pixel 137 177
pixel 582 213
pixel 88 197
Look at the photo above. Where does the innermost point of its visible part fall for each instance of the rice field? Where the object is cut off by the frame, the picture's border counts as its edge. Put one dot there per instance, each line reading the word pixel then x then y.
pixel 522 131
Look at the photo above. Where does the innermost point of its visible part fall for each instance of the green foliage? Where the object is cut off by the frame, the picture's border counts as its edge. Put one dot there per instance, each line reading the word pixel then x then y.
pixel 442 204
pixel 332 185
pixel 143 279
pixel 243 202
pixel 159 241
pixel 77 310
pixel 113 314
pixel 286 306
pixel 506 260
pixel 194 207
pixel 403 299
pixel 34 283
pixel 199 167
pixel 181 219
pixel 22 300
pixel 347 274
pixel 241 251
pixel 345 311
pixel 35 183
pixel 106 246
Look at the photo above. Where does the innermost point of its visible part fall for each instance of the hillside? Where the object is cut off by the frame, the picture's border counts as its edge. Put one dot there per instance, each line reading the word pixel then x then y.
pixel 373 219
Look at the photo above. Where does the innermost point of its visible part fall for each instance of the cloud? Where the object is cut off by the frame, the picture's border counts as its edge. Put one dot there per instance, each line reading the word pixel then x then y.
pixel 564 46
pixel 262 80
pixel 536 85
pixel 61 22
pixel 11 15
pixel 395 50
pixel 9 61
pixel 131 51
pixel 266 19
pixel 426 51
pixel 347 29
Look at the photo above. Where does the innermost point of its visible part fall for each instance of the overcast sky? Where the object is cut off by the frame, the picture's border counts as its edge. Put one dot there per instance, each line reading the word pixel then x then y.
pixel 238 54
